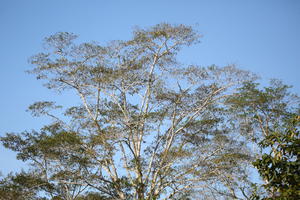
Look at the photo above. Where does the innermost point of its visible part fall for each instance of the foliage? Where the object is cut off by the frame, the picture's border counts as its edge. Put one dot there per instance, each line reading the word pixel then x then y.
pixel 260 111
pixel 262 116
pixel 21 186
pixel 147 126
pixel 281 167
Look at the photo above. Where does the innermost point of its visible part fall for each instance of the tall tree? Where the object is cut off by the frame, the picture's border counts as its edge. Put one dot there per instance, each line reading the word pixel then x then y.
pixel 147 126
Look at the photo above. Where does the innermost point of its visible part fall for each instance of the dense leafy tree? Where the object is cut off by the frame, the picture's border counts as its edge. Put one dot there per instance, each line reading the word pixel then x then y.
pixel 147 126
pixel 281 167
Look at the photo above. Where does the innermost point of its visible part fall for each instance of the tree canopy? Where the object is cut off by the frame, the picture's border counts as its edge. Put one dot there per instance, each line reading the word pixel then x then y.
pixel 147 127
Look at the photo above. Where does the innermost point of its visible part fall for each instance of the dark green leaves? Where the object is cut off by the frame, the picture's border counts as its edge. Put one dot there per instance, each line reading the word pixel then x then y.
pixel 281 167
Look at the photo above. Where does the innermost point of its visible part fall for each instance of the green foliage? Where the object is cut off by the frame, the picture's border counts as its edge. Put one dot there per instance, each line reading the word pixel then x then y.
pixel 22 186
pixel 260 111
pixel 281 167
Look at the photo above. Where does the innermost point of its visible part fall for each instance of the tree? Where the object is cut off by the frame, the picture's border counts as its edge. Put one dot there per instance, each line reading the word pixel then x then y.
pixel 147 126
pixel 280 168
pixel 271 111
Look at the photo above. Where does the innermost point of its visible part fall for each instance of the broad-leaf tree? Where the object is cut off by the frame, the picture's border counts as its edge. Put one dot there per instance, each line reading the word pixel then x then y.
pixel 281 167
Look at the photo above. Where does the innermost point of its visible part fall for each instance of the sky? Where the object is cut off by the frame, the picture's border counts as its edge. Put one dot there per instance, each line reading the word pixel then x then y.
pixel 260 36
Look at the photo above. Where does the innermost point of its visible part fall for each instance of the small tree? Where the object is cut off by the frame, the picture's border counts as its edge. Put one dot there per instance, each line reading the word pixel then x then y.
pixel 147 127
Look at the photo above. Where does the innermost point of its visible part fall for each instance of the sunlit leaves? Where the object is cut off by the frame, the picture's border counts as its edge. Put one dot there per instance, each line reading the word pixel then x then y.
pixel 280 168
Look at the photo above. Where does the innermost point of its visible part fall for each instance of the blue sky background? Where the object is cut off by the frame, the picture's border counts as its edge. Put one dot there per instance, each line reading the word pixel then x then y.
pixel 260 36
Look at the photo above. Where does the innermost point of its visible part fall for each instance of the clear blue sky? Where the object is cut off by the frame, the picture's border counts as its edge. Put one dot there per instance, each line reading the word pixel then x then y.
pixel 261 36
